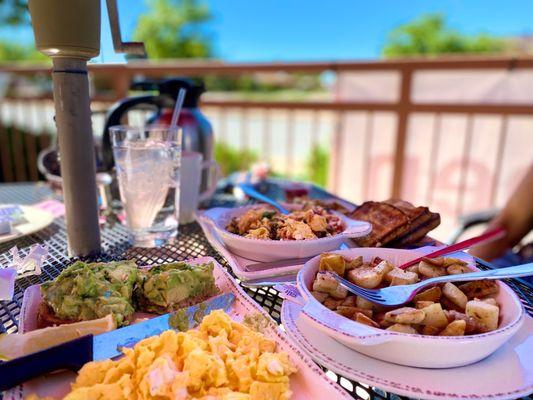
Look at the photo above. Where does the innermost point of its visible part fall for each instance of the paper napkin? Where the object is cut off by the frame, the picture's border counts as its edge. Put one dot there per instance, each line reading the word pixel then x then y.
pixel 21 266
pixel 32 263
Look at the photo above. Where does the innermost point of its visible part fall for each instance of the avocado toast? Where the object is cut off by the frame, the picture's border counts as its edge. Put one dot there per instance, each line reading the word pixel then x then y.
pixel 85 291
pixel 168 287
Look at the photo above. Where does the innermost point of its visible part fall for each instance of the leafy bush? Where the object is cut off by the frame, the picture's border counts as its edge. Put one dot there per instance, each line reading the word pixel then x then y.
pixel 318 165
pixel 232 159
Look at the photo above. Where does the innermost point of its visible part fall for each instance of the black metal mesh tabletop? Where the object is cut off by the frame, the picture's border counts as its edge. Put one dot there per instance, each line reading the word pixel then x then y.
pixel 190 243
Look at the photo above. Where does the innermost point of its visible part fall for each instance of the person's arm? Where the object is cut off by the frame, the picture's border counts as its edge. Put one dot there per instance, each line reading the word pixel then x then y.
pixel 516 218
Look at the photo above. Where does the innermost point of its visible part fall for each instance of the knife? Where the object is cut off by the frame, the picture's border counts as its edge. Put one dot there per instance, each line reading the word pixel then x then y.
pixel 261 266
pixel 465 244
pixel 76 353
pixel 269 281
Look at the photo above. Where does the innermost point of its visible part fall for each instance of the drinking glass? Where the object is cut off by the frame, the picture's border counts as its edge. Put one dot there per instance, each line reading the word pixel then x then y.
pixel 147 160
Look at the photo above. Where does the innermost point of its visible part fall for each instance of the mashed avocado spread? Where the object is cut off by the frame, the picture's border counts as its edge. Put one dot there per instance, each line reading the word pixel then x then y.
pixel 167 287
pixel 89 291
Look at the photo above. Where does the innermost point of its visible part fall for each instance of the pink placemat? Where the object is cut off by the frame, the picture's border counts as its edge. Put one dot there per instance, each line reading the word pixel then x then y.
pixel 309 383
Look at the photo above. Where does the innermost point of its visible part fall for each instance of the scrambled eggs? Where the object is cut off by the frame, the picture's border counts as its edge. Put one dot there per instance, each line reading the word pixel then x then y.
pixel 222 359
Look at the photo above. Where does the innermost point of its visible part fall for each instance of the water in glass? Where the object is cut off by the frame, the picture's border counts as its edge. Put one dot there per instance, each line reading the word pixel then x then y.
pixel 147 168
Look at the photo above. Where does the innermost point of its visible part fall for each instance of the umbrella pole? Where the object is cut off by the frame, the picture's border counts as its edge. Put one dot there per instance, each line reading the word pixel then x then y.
pixel 76 149
pixel 68 31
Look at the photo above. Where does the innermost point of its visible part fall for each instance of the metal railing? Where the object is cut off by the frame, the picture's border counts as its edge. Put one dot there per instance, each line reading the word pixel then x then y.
pixel 334 113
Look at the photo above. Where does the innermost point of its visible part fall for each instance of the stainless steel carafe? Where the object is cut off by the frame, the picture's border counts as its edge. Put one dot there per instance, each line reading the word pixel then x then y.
pixel 197 130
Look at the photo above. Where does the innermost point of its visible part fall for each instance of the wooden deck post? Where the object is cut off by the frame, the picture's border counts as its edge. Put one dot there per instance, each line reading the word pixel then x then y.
pixel 404 105
pixel 121 85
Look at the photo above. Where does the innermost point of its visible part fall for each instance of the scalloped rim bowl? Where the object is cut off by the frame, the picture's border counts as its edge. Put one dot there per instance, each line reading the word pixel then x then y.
pixel 408 349
pixel 274 250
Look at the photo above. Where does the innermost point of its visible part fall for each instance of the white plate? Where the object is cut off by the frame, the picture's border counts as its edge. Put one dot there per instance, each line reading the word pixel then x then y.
pixel 506 374
pixel 274 250
pixel 240 265
pixel 308 383
pixel 37 219
pixel 409 349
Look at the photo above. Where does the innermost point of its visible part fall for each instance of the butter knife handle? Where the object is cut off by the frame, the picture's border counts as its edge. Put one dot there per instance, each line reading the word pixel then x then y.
pixel 70 355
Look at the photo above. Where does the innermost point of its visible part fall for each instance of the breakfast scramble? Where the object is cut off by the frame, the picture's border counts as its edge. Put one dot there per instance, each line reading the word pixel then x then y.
pixel 444 310
pixel 222 360
pixel 311 222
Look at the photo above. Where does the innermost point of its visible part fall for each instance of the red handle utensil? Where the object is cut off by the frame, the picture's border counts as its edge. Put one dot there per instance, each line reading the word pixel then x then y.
pixel 486 237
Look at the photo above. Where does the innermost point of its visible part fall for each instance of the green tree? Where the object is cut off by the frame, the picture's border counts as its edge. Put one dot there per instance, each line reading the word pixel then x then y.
pixel 430 35
pixel 175 29
pixel 18 52
pixel 14 12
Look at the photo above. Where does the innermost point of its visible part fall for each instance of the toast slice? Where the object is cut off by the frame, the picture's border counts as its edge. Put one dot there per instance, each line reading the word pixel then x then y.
pixel 395 223
pixel 388 223
pixel 418 216
pixel 47 317
pixel 418 234
pixel 145 305
pixel 421 219
pixel 170 287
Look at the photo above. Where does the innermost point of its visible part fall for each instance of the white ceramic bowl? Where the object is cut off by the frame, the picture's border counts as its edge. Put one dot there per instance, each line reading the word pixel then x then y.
pixel 408 349
pixel 274 250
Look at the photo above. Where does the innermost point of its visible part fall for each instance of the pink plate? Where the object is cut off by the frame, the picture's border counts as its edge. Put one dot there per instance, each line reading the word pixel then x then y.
pixel 308 383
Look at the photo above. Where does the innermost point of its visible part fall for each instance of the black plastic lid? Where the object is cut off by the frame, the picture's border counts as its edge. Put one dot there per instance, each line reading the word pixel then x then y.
pixel 195 88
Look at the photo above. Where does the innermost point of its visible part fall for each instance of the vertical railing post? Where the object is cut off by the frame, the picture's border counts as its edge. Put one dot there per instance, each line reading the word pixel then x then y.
pixel 222 125
pixel 404 106
pixel 245 143
pixel 5 149
pixel 367 156
pixel 289 164
pixel 121 85
pixel 433 157
pixel 266 135
pixel 502 142
pixel 335 162
pixel 465 163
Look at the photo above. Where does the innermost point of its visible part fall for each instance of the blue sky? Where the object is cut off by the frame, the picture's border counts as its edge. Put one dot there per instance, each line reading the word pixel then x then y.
pixel 289 30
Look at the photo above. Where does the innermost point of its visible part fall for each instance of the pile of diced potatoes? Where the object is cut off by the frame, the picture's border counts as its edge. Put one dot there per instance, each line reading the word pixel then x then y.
pixel 444 310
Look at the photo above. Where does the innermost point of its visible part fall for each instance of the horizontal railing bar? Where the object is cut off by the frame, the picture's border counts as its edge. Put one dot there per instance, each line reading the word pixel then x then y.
pixel 201 67
pixel 520 109
pixel 476 108
pixel 392 107
pixel 300 105
pixel 48 97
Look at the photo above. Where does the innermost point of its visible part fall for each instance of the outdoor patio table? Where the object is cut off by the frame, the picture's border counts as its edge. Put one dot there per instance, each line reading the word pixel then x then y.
pixel 190 243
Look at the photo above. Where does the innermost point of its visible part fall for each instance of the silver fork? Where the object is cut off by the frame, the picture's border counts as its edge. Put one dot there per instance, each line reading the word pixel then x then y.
pixel 401 294
pixel 248 189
